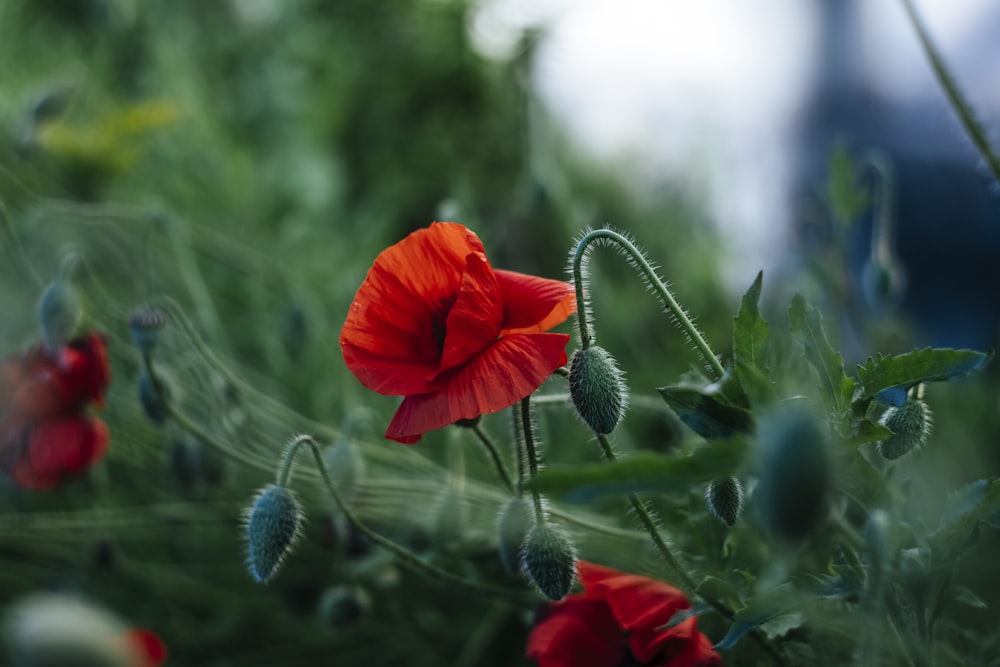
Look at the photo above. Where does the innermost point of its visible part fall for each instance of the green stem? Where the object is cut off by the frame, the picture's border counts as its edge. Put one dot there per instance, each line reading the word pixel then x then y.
pixel 643 266
pixel 527 438
pixel 495 456
pixel 647 522
pixel 406 556
pixel 954 94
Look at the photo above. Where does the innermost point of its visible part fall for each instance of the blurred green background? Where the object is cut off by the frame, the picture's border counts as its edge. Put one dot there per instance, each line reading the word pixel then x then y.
pixel 249 160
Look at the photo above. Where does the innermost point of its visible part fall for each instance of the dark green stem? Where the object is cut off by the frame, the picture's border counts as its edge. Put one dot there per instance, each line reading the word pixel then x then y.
pixel 649 273
pixel 954 94
pixel 531 456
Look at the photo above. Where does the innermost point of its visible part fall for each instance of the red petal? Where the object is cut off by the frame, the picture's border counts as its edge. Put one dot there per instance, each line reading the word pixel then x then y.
pixel 389 340
pixel 60 450
pixel 640 605
pixel 577 631
pixel 88 374
pixel 502 375
pixel 474 321
pixel 48 385
pixel 534 304
pixel 150 649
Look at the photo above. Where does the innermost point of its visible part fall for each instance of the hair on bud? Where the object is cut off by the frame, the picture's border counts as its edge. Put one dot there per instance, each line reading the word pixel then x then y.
pixel 548 560
pixel 145 325
pixel 273 523
pixel 910 424
pixel 513 524
pixel 597 388
pixel 725 499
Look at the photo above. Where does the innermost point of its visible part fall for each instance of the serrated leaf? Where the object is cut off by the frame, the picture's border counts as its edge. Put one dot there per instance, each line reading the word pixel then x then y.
pixel 707 414
pixel 750 343
pixel 807 328
pixel 640 472
pixel 759 610
pixel 887 378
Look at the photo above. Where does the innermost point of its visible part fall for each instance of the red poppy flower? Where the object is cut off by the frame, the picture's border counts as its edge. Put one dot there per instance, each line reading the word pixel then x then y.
pixel 614 622
pixel 435 323
pixel 45 437
pixel 43 384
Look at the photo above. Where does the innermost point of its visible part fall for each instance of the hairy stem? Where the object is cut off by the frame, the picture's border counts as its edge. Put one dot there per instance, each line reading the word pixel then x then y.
pixel 494 456
pixel 649 273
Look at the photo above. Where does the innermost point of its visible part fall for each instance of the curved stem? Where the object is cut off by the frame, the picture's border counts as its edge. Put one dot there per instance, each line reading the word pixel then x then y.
pixel 643 266
pixel 407 557
pixel 531 456
pixel 954 94
pixel 495 456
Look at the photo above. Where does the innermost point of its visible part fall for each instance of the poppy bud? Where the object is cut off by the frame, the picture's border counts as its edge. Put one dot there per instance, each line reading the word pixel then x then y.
pixel 145 325
pixel 513 524
pixel 910 424
pixel 598 391
pixel 795 475
pixel 341 606
pixel 548 560
pixel 272 526
pixel 725 499
pixel 59 313
pixel 153 395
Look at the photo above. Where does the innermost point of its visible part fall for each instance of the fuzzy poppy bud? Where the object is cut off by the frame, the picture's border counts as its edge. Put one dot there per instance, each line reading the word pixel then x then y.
pixel 59 313
pixel 548 560
pixel 513 524
pixel 145 326
pixel 725 499
pixel 153 394
pixel 795 472
pixel 910 424
pixel 597 388
pixel 272 526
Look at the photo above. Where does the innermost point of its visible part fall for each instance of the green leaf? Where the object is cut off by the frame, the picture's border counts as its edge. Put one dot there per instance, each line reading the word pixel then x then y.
pixel 958 530
pixel 750 344
pixel 867 431
pixel 846 198
pixel 807 329
pixel 967 597
pixel 759 610
pixel 640 472
pixel 707 413
pixel 887 378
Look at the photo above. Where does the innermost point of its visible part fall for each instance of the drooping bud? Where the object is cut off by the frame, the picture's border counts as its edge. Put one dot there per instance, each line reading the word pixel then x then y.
pixel 795 472
pixel 272 526
pixel 725 499
pixel 910 424
pixel 513 524
pixel 597 388
pixel 548 560
pixel 59 313
pixel 145 325
pixel 343 605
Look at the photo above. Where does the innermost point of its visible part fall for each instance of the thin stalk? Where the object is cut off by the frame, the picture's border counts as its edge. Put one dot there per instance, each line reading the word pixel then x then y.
pixel 494 456
pixel 406 556
pixel 643 266
pixel 531 456
pixel 958 101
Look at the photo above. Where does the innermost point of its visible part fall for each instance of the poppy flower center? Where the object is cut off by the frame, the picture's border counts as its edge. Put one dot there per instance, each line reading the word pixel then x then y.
pixel 439 327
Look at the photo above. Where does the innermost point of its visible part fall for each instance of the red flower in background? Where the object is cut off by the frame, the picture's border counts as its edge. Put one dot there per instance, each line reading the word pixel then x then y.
pixel 45 437
pixel 614 622
pixel 435 323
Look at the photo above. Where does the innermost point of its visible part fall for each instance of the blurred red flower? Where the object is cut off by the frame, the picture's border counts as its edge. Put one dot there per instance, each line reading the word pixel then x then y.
pixel 435 323
pixel 149 649
pixel 45 437
pixel 614 622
